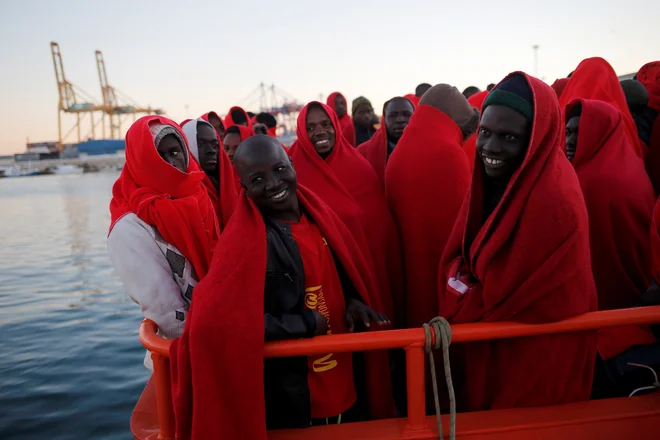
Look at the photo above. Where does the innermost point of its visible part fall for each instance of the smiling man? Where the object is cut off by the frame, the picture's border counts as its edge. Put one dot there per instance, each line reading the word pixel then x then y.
pixel 311 288
pixel 519 251
pixel 328 165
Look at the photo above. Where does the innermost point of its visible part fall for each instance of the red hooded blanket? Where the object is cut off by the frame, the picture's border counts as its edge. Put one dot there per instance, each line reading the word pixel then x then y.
pixel 346 122
pixel 205 117
pixel 174 202
pixel 348 184
pixel 217 364
pixel 470 147
pixel 425 182
pixel 413 98
pixel 559 85
pixel 620 202
pixel 528 262
pixel 229 120
pixel 655 241
pixel 223 197
pixel 649 76
pixel 375 149
pixel 595 79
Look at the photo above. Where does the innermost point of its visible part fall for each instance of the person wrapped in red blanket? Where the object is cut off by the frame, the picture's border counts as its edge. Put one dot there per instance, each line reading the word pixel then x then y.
pixel 620 200
pixel 164 227
pixel 377 150
pixel 595 78
pixel 238 116
pixel 338 103
pixel 520 252
pixel 285 258
pixel 216 122
pixel 648 121
pixel 425 181
pixel 343 179
pixel 219 182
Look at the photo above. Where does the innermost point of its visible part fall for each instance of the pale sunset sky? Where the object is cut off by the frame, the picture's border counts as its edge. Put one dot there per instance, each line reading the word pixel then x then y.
pixel 189 58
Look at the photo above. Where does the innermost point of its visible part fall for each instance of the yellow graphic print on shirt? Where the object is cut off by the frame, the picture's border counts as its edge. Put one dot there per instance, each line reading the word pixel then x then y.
pixel 315 300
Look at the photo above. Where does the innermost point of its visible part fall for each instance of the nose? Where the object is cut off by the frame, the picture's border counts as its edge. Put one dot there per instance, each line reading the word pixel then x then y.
pixel 272 182
pixel 491 147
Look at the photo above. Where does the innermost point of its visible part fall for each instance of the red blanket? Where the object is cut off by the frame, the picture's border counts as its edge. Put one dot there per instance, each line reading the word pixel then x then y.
pixel 595 79
pixel 346 122
pixel 649 76
pixel 205 116
pixel 413 98
pixel 470 147
pixel 655 241
pixel 229 121
pixel 559 85
pixel 348 184
pixel 173 202
pixel 426 180
pixel 620 202
pixel 217 364
pixel 529 262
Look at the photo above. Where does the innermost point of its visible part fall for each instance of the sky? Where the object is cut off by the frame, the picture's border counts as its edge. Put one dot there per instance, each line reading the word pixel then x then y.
pixel 190 58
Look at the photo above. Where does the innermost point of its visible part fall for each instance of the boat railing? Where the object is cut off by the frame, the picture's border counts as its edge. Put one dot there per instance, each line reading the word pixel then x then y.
pixel 413 341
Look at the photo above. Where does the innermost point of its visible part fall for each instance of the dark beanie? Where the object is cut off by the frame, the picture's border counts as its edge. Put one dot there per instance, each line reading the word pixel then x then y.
pixel 636 93
pixel 514 92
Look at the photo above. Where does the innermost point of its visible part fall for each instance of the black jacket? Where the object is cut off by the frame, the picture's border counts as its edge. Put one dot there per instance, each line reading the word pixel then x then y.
pixel 286 317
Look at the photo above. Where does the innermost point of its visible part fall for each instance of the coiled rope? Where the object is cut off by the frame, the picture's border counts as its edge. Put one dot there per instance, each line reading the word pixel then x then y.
pixel 442 330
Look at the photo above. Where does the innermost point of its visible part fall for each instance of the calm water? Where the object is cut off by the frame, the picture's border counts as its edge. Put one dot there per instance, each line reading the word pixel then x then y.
pixel 70 359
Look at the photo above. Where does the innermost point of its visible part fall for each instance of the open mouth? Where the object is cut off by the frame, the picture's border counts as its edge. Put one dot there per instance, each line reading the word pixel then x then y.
pixel 322 143
pixel 280 195
pixel 492 162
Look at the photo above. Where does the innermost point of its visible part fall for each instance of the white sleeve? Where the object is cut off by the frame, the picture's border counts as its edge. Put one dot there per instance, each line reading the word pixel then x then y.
pixel 147 276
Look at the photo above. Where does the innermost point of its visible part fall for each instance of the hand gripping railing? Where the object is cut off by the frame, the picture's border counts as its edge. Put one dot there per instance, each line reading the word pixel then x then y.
pixel 412 340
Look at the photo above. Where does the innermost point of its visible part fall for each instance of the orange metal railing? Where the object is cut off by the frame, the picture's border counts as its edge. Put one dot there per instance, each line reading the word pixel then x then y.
pixel 412 340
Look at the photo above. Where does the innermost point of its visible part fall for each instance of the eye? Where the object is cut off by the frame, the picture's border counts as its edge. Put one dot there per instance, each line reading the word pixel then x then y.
pixel 174 152
pixel 310 128
pixel 280 168
pixel 325 124
pixel 484 132
pixel 256 180
pixel 510 137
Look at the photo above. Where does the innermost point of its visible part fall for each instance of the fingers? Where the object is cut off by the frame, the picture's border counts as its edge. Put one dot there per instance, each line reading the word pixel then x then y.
pixel 350 321
pixel 364 316
pixel 380 318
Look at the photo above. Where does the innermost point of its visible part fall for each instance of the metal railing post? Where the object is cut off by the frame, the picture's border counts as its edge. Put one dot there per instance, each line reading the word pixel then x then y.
pixel 416 426
pixel 163 396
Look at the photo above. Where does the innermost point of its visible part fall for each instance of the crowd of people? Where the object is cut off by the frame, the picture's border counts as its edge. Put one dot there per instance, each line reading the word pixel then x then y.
pixel 524 202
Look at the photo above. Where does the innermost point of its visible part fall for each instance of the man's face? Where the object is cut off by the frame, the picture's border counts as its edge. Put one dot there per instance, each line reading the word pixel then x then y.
pixel 340 106
pixel 268 177
pixel 231 143
pixel 207 148
pixel 173 152
pixel 502 141
pixel 259 128
pixel 320 130
pixel 364 115
pixel 215 121
pixel 572 131
pixel 397 116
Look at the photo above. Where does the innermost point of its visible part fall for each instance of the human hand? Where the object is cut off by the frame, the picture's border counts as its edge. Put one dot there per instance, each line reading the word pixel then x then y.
pixel 357 311
pixel 321 324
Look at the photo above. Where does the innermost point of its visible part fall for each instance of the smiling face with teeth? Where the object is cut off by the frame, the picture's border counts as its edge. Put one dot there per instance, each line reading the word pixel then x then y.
pixel 266 174
pixel 503 140
pixel 320 130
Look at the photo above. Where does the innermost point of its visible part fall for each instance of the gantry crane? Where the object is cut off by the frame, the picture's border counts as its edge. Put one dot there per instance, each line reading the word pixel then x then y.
pixel 111 105
pixel 71 98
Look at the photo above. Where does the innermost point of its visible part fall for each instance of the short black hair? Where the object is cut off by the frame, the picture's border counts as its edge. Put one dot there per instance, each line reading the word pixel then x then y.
pixel 471 90
pixel 238 117
pixel 490 86
pixel 421 89
pixel 250 115
pixel 267 119
pixel 233 130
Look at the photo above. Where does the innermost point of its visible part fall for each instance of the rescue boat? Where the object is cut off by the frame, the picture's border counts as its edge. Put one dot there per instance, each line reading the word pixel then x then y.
pixel 636 417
